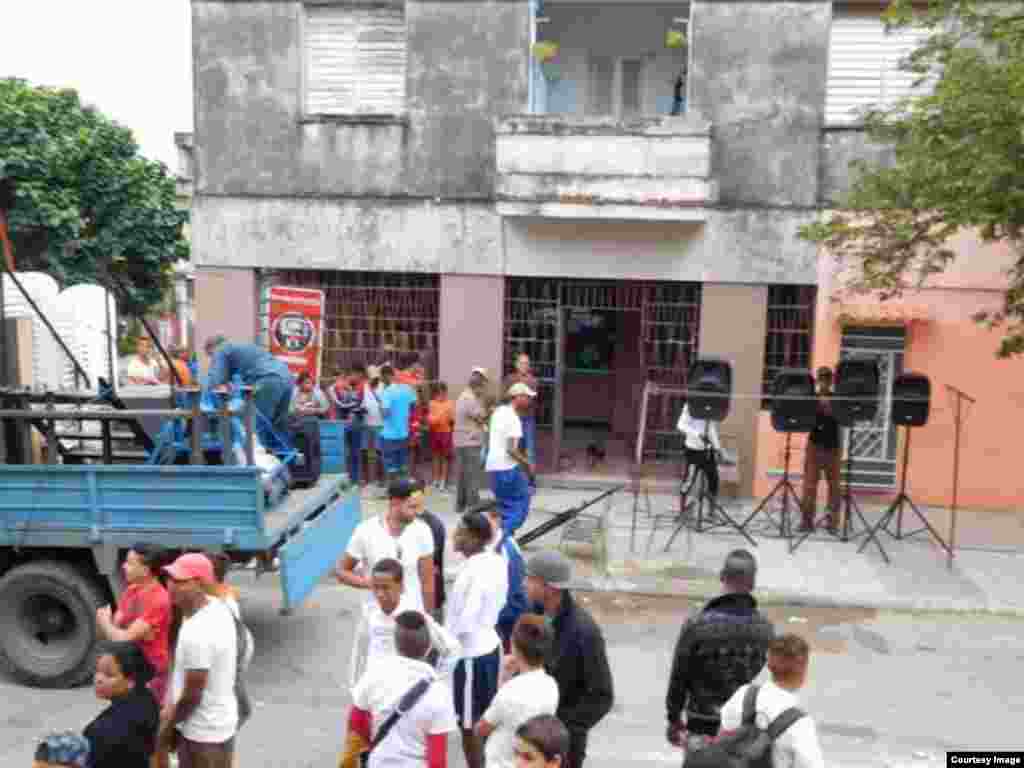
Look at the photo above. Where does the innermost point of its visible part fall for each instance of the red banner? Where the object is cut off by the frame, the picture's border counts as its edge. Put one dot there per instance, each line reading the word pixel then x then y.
pixel 297 328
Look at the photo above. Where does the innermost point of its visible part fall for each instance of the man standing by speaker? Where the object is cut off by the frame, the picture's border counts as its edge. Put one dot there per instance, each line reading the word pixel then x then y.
pixel 702 448
pixel 822 456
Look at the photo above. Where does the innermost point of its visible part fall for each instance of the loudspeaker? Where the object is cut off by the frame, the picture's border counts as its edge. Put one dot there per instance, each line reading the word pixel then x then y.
pixel 305 468
pixel 709 389
pixel 911 399
pixel 789 415
pixel 857 390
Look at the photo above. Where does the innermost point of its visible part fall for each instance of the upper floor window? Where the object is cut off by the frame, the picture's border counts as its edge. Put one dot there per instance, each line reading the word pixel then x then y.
pixel 863 65
pixel 354 60
pixel 612 59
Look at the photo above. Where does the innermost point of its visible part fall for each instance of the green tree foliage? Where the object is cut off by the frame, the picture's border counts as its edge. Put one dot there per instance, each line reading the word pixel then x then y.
pixel 88 205
pixel 959 160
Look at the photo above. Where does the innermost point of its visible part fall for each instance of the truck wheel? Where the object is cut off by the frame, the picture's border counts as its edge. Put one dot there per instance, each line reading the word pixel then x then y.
pixel 48 615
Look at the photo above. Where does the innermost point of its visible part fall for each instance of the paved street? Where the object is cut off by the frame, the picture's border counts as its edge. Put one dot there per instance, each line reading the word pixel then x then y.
pixel 887 689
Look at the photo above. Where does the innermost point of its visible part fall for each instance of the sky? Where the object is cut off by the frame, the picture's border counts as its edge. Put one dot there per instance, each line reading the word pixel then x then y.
pixel 131 59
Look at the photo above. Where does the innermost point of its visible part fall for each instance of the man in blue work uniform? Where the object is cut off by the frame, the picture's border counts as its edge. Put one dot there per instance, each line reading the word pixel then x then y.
pixel 270 377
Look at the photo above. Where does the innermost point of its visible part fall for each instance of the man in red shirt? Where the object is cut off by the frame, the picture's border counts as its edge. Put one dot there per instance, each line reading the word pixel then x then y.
pixel 143 614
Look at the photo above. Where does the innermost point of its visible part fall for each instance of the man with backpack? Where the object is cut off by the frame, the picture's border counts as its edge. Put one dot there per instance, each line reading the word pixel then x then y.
pixel 720 649
pixel 761 725
pixel 401 714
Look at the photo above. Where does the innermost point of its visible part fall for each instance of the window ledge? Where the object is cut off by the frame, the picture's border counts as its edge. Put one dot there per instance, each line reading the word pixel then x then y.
pixel 356 119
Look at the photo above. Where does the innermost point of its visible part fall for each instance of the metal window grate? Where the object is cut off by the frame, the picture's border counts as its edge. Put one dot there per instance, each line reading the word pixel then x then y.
pixel 366 312
pixel 789 338
pixel 669 335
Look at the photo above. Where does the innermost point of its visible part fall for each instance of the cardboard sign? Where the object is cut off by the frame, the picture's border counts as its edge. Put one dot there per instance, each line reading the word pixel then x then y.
pixel 297 328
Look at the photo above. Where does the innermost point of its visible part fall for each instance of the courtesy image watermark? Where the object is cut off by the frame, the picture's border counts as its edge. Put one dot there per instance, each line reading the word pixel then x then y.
pixel 984 759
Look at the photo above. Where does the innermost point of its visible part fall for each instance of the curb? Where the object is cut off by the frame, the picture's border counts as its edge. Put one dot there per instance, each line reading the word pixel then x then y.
pixel 706 590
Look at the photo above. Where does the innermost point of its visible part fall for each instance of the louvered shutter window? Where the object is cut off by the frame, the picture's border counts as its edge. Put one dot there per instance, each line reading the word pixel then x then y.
pixel 863 66
pixel 355 60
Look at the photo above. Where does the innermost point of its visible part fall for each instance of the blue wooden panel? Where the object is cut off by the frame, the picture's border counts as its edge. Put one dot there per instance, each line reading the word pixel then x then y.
pixel 88 504
pixel 332 447
pixel 314 550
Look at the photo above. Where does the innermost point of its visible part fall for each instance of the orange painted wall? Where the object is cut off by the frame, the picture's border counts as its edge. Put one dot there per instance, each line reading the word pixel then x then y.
pixel 950 348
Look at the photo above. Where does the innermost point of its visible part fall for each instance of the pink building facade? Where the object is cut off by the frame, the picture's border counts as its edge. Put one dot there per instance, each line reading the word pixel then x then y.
pixel 929 331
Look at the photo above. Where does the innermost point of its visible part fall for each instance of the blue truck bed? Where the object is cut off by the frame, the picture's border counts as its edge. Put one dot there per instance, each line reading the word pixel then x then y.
pixel 110 508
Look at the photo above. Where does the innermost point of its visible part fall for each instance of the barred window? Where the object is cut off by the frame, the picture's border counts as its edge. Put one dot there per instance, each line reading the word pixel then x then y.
pixel 790 332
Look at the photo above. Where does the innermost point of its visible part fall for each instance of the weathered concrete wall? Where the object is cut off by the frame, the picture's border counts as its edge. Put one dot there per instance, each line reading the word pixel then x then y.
pixel 468 62
pixel 839 149
pixel 252 139
pixel 471 328
pixel 741 246
pixel 724 309
pixel 758 72
pixel 369 234
pixel 227 302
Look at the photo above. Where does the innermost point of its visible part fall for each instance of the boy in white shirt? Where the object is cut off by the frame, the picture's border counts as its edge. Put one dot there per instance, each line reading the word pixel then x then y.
pixel 375 636
pixel 420 735
pixel 528 692
pixel 797 746
pixel 475 602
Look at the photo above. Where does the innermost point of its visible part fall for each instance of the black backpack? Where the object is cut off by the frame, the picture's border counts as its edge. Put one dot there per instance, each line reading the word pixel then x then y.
pixel 747 747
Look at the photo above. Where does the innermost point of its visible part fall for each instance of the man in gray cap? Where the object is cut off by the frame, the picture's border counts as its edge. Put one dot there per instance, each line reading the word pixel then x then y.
pixel 723 647
pixel 578 661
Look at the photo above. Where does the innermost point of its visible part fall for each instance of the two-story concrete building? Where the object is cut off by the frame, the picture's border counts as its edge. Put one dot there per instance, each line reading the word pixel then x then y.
pixel 453 193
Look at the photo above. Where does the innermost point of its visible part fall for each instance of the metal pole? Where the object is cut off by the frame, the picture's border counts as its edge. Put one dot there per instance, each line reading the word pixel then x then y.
pixel 956 487
pixel 227 456
pixel 250 438
pixel 196 452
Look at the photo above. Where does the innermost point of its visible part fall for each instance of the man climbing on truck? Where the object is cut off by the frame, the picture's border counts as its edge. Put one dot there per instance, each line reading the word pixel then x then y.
pixel 269 376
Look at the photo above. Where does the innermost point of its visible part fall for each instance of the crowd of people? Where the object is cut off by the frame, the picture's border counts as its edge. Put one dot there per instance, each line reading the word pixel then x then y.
pixel 507 659
pixel 171 664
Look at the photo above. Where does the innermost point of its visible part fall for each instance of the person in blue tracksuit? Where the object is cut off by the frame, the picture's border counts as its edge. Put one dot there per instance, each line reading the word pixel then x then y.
pixel 270 377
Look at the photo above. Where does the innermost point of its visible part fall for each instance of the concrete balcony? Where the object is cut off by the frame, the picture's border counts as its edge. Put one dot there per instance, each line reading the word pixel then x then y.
pixel 559 166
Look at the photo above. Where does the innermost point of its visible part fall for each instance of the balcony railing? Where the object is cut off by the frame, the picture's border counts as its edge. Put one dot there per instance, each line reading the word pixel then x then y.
pixel 653 168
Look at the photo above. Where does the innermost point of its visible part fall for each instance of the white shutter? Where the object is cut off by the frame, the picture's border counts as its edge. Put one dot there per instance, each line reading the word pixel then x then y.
pixel 355 60
pixel 863 66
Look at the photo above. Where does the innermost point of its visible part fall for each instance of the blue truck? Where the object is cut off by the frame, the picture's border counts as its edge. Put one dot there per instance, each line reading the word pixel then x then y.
pixel 65 528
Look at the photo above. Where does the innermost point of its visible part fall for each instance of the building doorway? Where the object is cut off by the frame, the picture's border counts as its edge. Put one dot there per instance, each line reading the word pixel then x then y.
pixel 593 345
pixel 873 445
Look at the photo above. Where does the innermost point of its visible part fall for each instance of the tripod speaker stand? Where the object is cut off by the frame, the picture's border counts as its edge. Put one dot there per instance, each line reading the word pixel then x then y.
pixel 702 524
pixel 785 492
pixel 897 508
pixel 848 506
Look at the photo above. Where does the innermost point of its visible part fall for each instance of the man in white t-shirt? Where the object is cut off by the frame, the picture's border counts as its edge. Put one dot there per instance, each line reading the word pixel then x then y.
pixel 507 465
pixel 474 605
pixel 797 746
pixel 527 692
pixel 420 735
pixel 202 708
pixel 398 534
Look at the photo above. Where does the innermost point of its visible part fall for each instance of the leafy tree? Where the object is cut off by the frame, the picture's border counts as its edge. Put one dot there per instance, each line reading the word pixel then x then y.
pixel 88 206
pixel 959 160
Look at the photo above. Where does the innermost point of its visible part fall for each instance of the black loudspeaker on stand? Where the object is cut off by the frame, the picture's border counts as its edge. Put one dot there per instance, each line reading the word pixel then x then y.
pixel 857 389
pixel 708 396
pixel 911 394
pixel 794 410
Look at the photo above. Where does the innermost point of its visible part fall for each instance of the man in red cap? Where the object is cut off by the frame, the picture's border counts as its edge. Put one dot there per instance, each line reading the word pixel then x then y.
pixel 200 716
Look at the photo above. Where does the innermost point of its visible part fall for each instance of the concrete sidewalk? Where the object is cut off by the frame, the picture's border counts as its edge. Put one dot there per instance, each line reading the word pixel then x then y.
pixel 987 571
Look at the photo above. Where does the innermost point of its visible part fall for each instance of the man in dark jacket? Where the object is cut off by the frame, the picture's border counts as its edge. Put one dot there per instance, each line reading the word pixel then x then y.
pixel 578 661
pixel 720 649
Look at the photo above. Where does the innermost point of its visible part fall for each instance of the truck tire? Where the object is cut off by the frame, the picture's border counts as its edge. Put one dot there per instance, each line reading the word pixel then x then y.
pixel 48 615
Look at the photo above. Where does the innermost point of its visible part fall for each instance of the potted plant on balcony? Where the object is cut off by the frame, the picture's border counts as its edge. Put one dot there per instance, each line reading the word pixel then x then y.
pixel 675 39
pixel 546 54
